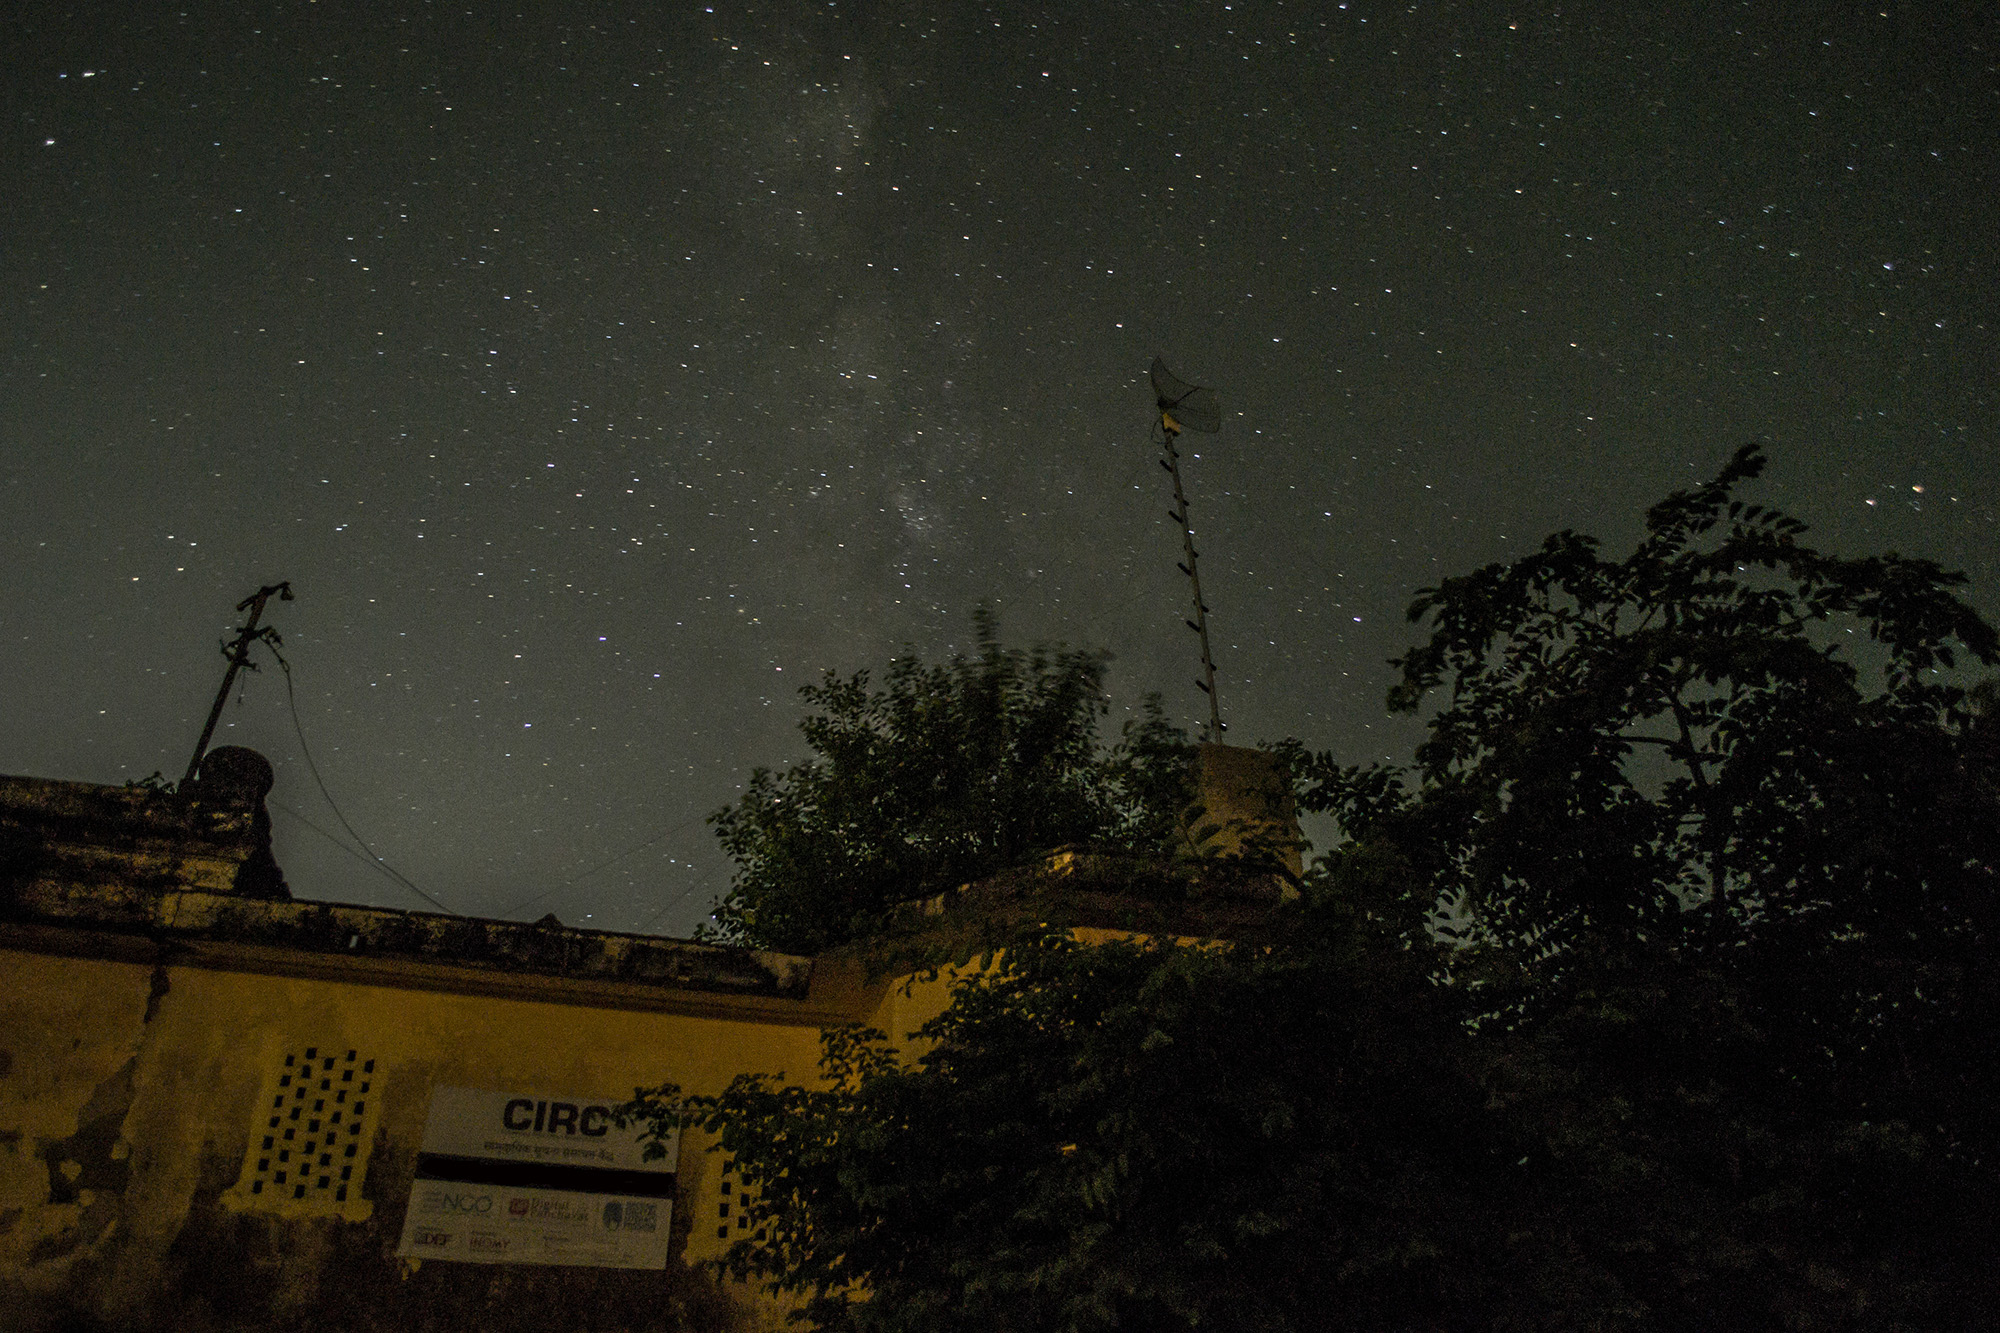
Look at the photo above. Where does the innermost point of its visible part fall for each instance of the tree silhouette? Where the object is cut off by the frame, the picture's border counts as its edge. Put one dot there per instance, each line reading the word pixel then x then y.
pixel 941 775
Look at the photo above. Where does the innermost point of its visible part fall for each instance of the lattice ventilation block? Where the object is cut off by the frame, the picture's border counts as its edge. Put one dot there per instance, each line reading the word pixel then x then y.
pixel 734 1208
pixel 311 1136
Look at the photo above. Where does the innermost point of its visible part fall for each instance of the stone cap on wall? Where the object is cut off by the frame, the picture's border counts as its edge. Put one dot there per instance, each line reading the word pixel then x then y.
pixel 1106 889
pixel 138 838
pixel 106 869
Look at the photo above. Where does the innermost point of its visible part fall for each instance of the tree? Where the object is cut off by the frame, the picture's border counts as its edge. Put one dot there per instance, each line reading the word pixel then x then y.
pixel 1136 1135
pixel 1651 997
pixel 1676 750
pixel 941 775
pixel 1714 828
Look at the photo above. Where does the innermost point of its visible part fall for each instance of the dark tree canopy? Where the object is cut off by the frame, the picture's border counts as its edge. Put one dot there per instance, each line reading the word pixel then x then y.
pixel 1121 1136
pixel 1727 743
pixel 1656 994
pixel 940 775
pixel 1714 830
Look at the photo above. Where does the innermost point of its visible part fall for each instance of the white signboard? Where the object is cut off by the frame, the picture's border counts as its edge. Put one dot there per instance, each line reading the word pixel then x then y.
pixel 517 1178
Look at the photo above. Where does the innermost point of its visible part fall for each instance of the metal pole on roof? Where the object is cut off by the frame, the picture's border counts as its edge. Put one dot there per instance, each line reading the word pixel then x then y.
pixel 238 653
pixel 1172 462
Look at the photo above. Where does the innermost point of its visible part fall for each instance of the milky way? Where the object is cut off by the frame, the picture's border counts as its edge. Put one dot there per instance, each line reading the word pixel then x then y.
pixel 598 383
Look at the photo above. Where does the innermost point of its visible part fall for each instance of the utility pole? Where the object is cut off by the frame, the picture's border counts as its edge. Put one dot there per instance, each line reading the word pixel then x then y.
pixel 238 654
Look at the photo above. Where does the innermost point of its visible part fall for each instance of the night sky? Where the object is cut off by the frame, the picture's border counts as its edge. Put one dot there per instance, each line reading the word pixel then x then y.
pixel 599 374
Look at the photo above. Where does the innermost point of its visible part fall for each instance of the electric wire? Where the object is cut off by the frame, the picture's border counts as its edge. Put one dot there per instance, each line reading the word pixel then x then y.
pixel 671 904
pixel 376 861
pixel 333 838
pixel 1121 604
pixel 532 899
pixel 291 698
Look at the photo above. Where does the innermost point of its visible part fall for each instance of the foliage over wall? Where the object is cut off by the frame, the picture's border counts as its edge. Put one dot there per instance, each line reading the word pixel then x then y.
pixel 1656 994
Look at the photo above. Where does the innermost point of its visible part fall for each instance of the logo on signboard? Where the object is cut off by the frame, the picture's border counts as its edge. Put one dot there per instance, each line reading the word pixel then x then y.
pixel 507 1177
pixel 445 1201
pixel 527 1115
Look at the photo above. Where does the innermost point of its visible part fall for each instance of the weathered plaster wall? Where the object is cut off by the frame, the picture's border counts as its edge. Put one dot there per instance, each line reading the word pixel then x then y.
pixel 69 1048
pixel 155 977
pixel 128 1094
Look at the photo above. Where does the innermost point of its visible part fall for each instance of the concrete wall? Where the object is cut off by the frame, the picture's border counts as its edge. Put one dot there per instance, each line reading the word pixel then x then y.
pixel 130 1090
pixel 156 976
pixel 1246 808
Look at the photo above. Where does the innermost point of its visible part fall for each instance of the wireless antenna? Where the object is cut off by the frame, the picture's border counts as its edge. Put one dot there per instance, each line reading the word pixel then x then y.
pixel 238 653
pixel 1189 407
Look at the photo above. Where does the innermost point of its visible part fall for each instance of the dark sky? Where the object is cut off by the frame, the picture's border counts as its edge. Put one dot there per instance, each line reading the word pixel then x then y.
pixel 599 374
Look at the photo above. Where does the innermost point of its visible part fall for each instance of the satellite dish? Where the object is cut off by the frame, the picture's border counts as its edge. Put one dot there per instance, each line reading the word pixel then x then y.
pixel 1184 406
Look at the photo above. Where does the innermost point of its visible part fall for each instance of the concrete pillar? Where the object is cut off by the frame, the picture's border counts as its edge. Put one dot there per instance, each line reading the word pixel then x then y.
pixel 1244 807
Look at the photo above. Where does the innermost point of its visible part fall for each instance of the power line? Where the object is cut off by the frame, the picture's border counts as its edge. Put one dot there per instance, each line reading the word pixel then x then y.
pixel 671 904
pixel 332 838
pixel 292 699
pixel 612 861
pixel 374 859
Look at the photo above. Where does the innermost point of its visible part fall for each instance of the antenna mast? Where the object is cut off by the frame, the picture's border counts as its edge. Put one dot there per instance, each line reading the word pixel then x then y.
pixel 238 654
pixel 1193 407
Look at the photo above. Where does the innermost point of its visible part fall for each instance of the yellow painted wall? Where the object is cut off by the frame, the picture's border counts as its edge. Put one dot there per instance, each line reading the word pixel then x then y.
pixel 146 1016
pixel 139 1087
pixel 909 1003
